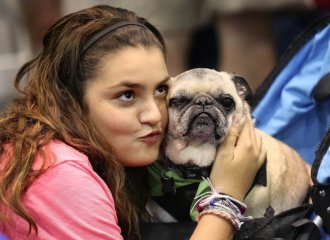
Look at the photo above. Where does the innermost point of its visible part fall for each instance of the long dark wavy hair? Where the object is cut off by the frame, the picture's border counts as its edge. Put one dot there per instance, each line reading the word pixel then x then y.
pixel 51 106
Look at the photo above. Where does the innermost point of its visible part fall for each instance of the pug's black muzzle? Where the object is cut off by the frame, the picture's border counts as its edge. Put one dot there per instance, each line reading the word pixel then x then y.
pixel 204 121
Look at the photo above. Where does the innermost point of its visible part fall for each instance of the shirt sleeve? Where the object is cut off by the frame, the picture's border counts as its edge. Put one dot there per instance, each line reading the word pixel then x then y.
pixel 70 201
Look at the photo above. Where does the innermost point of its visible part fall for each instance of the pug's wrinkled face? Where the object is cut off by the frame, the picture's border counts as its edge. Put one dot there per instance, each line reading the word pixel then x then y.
pixel 202 103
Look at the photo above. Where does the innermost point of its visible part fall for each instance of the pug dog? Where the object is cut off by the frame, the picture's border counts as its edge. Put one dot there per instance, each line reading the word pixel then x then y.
pixel 202 103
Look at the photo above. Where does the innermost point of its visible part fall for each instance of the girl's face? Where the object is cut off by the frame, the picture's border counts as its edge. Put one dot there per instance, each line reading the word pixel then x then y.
pixel 127 103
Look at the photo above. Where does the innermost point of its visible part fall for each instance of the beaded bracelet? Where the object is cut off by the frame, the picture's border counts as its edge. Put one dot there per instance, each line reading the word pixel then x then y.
pixel 214 198
pixel 221 205
pixel 221 214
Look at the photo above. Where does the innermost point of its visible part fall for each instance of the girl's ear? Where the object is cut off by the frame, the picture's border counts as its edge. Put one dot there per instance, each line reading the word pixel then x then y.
pixel 243 87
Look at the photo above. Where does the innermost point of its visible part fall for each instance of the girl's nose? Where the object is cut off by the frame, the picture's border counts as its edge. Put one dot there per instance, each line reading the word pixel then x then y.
pixel 151 113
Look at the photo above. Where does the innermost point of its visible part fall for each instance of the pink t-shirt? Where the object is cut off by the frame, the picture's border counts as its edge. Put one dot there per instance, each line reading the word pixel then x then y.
pixel 68 201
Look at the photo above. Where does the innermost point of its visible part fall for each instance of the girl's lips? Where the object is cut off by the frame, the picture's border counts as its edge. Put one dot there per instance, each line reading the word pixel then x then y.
pixel 152 138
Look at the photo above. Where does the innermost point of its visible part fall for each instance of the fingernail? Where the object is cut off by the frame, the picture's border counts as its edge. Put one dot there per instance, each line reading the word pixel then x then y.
pixel 235 121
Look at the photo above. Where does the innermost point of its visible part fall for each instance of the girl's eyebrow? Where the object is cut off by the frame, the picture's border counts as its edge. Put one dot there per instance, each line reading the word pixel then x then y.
pixel 165 80
pixel 137 85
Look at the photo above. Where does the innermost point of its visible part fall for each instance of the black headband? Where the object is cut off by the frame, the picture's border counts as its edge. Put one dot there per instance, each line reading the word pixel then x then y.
pixel 108 29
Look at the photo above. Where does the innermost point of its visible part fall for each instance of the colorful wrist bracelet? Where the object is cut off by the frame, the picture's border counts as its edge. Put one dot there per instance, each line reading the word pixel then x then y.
pixel 222 205
pixel 221 214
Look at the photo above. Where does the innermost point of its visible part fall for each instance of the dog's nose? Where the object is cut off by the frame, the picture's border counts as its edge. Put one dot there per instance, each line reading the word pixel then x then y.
pixel 203 100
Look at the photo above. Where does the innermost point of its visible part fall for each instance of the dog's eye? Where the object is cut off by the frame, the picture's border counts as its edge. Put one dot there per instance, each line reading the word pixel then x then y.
pixel 227 102
pixel 178 102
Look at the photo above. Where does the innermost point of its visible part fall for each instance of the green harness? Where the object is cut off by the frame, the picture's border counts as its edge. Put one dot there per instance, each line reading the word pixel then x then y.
pixel 156 170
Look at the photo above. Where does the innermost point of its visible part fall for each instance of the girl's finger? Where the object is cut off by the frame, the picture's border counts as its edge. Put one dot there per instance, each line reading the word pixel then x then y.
pixel 245 134
pixel 251 127
pixel 233 133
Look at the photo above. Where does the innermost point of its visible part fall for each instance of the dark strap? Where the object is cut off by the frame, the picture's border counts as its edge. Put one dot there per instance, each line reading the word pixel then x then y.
pixel 321 91
pixel 188 171
pixel 288 225
pixel 321 191
pixel 167 231
pixel 178 205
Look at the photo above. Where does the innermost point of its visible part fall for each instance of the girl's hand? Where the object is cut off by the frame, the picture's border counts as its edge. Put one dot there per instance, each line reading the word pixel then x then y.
pixel 238 160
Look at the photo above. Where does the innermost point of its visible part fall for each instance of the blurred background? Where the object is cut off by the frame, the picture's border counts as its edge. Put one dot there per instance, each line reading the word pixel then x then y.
pixel 246 37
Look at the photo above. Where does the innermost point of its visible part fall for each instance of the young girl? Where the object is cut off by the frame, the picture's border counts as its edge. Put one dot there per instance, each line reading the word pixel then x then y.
pixel 94 104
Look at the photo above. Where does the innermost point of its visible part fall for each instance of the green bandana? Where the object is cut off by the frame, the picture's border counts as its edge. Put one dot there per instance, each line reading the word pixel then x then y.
pixel 155 171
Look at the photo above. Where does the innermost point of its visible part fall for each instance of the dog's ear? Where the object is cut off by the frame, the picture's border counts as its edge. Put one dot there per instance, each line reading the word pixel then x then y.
pixel 243 87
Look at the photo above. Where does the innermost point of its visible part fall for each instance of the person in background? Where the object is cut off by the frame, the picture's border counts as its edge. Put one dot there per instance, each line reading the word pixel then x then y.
pixel 238 36
pixel 93 105
pixel 205 33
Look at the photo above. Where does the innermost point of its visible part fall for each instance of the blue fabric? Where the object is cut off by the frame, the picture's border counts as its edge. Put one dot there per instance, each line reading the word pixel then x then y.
pixel 325 236
pixel 288 111
pixel 2 237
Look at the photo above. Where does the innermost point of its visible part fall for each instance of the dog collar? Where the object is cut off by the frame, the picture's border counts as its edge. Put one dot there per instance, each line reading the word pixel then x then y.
pixel 188 171
pixel 163 180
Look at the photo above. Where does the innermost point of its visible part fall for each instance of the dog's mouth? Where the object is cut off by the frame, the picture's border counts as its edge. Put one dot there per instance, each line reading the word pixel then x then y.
pixel 204 126
pixel 202 123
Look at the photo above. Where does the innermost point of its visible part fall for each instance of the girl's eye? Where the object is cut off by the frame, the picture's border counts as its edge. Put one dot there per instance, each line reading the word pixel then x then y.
pixel 162 90
pixel 126 96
